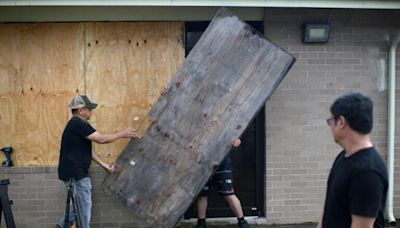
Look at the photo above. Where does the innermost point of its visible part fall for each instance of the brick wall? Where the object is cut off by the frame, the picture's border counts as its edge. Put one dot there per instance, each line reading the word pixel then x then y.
pixel 300 149
pixel 39 200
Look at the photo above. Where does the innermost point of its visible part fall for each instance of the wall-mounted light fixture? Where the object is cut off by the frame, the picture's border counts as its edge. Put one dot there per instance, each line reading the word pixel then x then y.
pixel 315 33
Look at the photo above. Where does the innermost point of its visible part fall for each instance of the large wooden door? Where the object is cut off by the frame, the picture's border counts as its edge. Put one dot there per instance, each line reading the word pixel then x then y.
pixel 248 160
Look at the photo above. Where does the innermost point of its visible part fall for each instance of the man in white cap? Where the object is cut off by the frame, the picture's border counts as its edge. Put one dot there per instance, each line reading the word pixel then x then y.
pixel 76 154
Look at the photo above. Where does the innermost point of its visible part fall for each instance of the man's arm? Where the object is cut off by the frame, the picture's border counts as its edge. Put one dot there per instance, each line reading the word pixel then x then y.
pixel 319 225
pixel 366 194
pixel 362 222
pixel 107 138
pixel 107 167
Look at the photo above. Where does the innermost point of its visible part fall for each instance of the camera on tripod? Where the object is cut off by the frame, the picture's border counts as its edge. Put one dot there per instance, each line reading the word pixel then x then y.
pixel 5 204
pixel 7 152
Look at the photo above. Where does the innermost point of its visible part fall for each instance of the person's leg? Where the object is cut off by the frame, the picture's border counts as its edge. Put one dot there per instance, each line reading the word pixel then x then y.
pixel 201 204
pixel 71 218
pixel 71 211
pixel 83 193
pixel 236 207
pixel 234 204
pixel 225 188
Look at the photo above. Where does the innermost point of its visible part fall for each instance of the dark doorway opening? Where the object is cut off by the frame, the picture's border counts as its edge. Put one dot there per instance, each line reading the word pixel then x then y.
pixel 248 160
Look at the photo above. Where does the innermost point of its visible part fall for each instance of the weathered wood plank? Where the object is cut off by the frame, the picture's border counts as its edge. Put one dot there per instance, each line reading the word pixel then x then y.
pixel 225 80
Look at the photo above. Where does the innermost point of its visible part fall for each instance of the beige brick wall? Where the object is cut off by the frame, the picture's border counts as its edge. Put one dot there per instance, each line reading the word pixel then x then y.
pixel 39 200
pixel 300 149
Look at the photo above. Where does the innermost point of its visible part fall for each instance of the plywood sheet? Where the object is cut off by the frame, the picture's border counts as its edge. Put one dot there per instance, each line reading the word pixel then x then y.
pixel 122 66
pixel 126 67
pixel 225 80
pixel 40 70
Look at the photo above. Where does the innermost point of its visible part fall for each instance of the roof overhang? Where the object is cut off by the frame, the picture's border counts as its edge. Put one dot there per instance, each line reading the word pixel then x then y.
pixel 348 4
pixel 163 10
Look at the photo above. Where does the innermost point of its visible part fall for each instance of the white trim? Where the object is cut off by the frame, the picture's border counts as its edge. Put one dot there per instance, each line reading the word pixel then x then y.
pixel 359 4
pixel 391 125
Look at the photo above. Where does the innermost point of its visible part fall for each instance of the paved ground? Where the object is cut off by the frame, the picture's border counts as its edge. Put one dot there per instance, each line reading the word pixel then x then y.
pixel 256 226
pixel 308 225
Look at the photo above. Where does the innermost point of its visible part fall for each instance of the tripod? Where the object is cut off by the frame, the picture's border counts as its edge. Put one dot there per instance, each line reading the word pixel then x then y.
pixel 5 204
pixel 71 198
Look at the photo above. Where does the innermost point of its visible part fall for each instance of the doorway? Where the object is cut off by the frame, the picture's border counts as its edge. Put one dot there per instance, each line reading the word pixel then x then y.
pixel 248 160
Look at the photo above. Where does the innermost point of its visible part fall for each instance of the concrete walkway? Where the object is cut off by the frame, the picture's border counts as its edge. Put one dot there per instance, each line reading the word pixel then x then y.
pixel 212 225
pixel 307 225
pixel 256 226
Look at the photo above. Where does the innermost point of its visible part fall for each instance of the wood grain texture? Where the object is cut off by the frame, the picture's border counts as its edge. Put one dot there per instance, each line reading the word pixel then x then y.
pixel 121 66
pixel 126 67
pixel 40 70
pixel 224 81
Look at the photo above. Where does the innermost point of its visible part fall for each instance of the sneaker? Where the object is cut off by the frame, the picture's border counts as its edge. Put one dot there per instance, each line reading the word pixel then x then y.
pixel 243 224
pixel 201 224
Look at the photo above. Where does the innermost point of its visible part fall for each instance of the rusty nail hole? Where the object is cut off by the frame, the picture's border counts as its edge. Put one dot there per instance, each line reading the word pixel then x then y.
pixel 145 41
pixel 31 88
pixel 238 127
pixel 89 44
pixel 129 41
pixel 97 41
pixel 137 44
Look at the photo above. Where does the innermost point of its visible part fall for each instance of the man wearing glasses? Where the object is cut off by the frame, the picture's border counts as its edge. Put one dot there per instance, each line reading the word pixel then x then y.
pixel 76 154
pixel 358 182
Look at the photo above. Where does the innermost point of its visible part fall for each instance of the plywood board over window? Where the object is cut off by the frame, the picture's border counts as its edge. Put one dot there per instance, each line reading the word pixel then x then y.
pixel 224 81
pixel 122 66
pixel 40 69
pixel 127 65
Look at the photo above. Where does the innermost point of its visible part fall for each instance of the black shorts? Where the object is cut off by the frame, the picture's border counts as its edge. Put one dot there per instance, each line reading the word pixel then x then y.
pixel 222 179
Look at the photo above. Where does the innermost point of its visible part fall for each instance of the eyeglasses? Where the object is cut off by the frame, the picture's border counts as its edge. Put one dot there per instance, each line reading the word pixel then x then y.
pixel 330 120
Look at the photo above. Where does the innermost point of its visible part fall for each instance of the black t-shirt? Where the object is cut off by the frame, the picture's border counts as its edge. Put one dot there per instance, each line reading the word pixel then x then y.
pixel 76 150
pixel 357 185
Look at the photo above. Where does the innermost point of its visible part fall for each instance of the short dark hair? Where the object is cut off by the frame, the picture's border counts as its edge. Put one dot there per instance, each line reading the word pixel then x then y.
pixel 356 109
